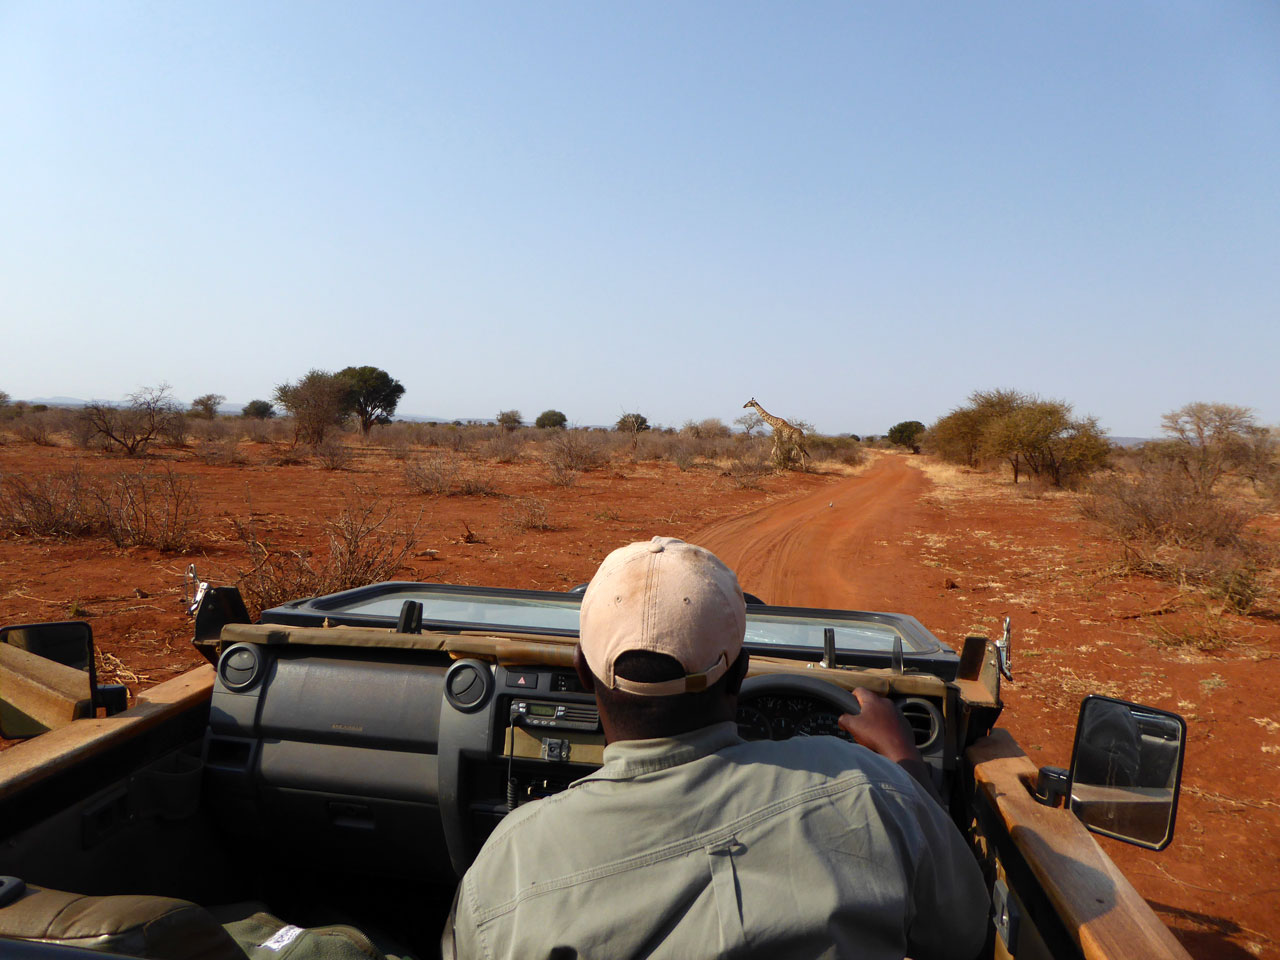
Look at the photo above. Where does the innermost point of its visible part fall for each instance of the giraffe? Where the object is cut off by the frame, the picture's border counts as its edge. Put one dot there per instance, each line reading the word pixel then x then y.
pixel 786 437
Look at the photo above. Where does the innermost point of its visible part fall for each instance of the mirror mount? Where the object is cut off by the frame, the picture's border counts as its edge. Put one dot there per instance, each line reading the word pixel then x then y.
pixel 1053 785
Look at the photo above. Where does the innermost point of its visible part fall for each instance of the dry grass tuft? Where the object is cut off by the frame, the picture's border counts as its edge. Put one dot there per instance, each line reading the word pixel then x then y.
pixel 333 454
pixel 432 475
pixel 527 513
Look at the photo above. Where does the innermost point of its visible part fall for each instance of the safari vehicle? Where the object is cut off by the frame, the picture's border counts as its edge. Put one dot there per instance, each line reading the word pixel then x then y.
pixel 343 760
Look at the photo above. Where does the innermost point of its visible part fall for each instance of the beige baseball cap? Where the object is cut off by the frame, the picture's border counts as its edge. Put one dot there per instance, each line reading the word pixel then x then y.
pixel 664 596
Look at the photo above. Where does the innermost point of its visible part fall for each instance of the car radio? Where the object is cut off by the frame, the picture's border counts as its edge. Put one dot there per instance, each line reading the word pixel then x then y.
pixel 560 716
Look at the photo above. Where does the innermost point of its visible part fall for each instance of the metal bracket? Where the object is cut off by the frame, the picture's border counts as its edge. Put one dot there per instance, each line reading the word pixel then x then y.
pixel 828 648
pixel 1005 915
pixel 1004 648
pixel 195 589
pixel 554 749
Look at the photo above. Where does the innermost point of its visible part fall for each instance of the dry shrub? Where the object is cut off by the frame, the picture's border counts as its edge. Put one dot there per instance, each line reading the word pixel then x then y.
pixel 561 476
pixel 476 482
pixel 432 475
pixel 149 509
pixel 361 548
pixel 527 513
pixel 211 429
pixel 332 453
pixel 37 428
pixel 682 453
pixel 400 437
pixel 133 509
pixel 505 447
pixel 398 448
pixel 575 450
pixel 748 470
pixel 256 431
pixel 1173 530
pixel 654 445
pixel 219 453
pixel 174 429
pixel 53 505
pixel 845 450
pixel 289 456
pixel 1162 505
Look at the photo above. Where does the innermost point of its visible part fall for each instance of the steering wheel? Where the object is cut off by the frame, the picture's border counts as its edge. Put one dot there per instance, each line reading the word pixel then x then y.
pixel 783 684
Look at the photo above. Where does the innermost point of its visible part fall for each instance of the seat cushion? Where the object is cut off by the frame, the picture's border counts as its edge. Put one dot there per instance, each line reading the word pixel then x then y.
pixel 139 926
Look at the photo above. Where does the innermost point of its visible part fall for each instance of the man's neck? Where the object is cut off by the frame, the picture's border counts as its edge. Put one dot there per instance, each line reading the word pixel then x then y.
pixel 619 729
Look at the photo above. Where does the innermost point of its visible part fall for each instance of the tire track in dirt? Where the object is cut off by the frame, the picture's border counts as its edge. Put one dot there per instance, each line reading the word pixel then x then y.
pixel 842 546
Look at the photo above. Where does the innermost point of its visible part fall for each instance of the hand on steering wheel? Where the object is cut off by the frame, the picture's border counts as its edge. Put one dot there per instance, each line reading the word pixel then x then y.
pixel 881 727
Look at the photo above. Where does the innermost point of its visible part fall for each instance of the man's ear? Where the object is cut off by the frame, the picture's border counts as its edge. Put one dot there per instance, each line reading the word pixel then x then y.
pixel 585 676
pixel 737 673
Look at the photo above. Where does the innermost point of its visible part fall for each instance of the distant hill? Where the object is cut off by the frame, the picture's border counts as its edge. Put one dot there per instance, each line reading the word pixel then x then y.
pixel 1129 441
pixel 56 401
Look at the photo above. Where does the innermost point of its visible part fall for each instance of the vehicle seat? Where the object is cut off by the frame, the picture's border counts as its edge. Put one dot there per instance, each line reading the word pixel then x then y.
pixel 139 926
pixel 167 929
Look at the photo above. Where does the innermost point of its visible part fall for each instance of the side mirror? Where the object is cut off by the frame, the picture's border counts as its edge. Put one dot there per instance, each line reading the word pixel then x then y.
pixel 1126 770
pixel 48 678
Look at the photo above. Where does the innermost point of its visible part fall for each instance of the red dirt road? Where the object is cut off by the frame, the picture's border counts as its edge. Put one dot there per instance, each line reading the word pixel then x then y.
pixel 838 546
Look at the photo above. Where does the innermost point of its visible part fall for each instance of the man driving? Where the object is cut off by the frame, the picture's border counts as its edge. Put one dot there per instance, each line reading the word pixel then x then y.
pixel 691 842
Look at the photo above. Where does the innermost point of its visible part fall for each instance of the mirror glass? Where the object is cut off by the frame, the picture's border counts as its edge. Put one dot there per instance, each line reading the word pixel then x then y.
pixel 1126 769
pixel 46 677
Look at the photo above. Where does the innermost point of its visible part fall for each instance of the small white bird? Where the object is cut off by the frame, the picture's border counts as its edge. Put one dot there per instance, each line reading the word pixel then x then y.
pixel 831 504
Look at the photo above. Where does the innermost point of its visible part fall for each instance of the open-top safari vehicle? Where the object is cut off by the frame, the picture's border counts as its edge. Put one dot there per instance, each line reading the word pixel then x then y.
pixel 342 760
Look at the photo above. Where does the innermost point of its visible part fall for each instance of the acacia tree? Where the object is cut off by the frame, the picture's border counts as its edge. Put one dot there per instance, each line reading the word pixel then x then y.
pixel 749 421
pixel 1207 440
pixel 150 412
pixel 634 424
pixel 373 395
pixel 907 434
pixel 258 410
pixel 206 407
pixel 1043 436
pixel 551 419
pixel 1024 430
pixel 958 436
pixel 509 419
pixel 318 401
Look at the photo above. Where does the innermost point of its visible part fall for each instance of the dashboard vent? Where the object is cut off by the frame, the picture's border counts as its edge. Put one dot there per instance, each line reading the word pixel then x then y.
pixel 925 721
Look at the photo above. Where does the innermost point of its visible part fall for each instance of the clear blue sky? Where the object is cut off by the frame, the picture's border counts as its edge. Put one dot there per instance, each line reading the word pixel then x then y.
pixel 856 212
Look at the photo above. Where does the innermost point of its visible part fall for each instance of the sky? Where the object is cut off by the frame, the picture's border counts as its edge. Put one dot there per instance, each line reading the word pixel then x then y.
pixel 855 213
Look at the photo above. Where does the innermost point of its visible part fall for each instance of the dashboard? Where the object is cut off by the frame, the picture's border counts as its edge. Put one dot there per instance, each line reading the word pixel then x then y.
pixel 395 760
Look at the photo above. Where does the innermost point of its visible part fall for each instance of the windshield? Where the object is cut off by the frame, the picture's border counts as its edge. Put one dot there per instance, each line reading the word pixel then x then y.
pixel 518 610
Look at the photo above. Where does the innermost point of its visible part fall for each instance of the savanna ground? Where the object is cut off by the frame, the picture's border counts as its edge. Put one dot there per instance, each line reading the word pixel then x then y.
pixel 958 550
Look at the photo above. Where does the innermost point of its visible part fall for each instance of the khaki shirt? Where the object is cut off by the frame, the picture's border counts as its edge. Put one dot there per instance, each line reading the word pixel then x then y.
pixel 706 845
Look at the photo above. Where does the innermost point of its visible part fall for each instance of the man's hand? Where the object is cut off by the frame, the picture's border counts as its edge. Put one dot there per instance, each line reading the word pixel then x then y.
pixel 881 727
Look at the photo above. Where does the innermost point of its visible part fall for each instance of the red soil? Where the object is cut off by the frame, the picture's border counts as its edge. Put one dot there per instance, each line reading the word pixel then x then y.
pixel 958 554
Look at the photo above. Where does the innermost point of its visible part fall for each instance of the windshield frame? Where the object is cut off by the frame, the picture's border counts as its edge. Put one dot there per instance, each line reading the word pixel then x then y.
pixel 920 648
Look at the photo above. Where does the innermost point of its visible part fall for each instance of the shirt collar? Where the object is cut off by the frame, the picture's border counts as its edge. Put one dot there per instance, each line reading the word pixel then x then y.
pixel 625 759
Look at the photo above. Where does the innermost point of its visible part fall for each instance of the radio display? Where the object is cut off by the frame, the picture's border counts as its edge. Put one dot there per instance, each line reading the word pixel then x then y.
pixel 542 710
